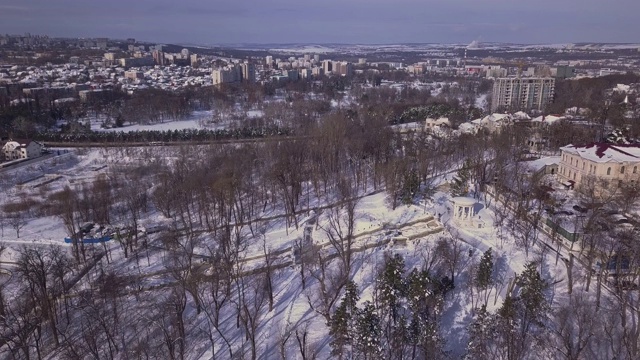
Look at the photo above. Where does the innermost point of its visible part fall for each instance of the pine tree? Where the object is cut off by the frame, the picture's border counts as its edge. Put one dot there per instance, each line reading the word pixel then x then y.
pixel 532 288
pixel 506 334
pixel 339 331
pixel 419 289
pixel 481 331
pixel 460 183
pixel 485 271
pixel 342 321
pixel 391 286
pixel 410 186
pixel 368 332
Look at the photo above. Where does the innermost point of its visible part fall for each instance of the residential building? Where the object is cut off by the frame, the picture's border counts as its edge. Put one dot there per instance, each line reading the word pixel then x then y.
pixel 133 74
pixel 343 68
pixel 529 93
pixel 306 73
pixel 327 66
pixel 565 72
pixel 614 164
pixel 21 149
pixel 229 74
pixel 158 57
pixel 248 72
pixel 136 62
pixel 292 75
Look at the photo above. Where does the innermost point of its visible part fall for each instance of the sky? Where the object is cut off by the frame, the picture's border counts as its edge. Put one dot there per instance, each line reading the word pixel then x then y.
pixel 328 21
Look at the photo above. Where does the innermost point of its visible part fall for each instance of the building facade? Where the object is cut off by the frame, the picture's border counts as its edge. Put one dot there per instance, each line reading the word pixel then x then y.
pixel 21 149
pixel 617 165
pixel 529 93
pixel 248 72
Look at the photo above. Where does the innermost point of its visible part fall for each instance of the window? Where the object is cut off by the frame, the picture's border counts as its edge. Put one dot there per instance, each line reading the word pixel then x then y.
pixel 635 169
pixel 574 176
pixel 583 165
pixel 622 170
pixel 608 171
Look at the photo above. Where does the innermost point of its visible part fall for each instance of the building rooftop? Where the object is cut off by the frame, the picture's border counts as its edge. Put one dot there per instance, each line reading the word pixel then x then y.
pixel 604 152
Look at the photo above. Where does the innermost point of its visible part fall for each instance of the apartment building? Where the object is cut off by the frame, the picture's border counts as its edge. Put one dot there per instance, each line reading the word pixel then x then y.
pixel 527 93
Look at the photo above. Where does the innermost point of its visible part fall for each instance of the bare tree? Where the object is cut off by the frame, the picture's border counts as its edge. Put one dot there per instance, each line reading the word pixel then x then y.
pixel 341 224
pixel 17 214
pixel 252 301
pixel 574 326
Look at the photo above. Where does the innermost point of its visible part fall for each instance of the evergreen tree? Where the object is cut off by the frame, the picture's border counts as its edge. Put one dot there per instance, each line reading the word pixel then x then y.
pixel 410 186
pixel 342 321
pixel 391 285
pixel 460 183
pixel 485 270
pixel 506 334
pixel 534 302
pixel 339 331
pixel 481 331
pixel 419 290
pixel 367 340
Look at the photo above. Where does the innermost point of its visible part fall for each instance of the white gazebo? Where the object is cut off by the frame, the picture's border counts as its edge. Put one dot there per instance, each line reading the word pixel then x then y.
pixel 463 210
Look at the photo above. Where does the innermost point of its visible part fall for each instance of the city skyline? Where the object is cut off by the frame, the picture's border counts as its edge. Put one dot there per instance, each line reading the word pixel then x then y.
pixel 348 22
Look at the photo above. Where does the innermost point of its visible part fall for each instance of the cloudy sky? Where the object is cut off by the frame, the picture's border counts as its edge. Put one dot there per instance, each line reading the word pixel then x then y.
pixel 328 21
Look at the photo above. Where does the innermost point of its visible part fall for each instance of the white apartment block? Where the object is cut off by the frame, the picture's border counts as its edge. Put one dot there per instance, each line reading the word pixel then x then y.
pixel 525 93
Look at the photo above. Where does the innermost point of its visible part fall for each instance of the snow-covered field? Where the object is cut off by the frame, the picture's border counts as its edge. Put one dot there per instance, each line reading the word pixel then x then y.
pixel 203 119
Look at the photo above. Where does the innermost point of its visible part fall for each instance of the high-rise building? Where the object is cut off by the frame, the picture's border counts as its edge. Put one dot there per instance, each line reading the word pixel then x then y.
pixel 194 60
pixel 327 66
pixel 229 74
pixel 522 93
pixel 158 57
pixel 248 72
pixel 316 57
pixel 269 60
pixel 342 68
pixel 306 73
pixel 102 43
pixel 293 75
pixel 185 53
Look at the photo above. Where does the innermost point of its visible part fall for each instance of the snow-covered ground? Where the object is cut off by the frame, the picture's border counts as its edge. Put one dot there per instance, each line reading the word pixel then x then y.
pixel 292 303
pixel 202 119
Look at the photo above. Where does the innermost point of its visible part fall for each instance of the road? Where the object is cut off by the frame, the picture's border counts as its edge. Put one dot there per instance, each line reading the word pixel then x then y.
pixel 28 162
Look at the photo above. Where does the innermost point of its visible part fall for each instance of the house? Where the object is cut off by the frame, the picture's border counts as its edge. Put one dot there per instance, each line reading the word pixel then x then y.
pixel 21 149
pixel 614 164
pixel 433 123
pixel 494 122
